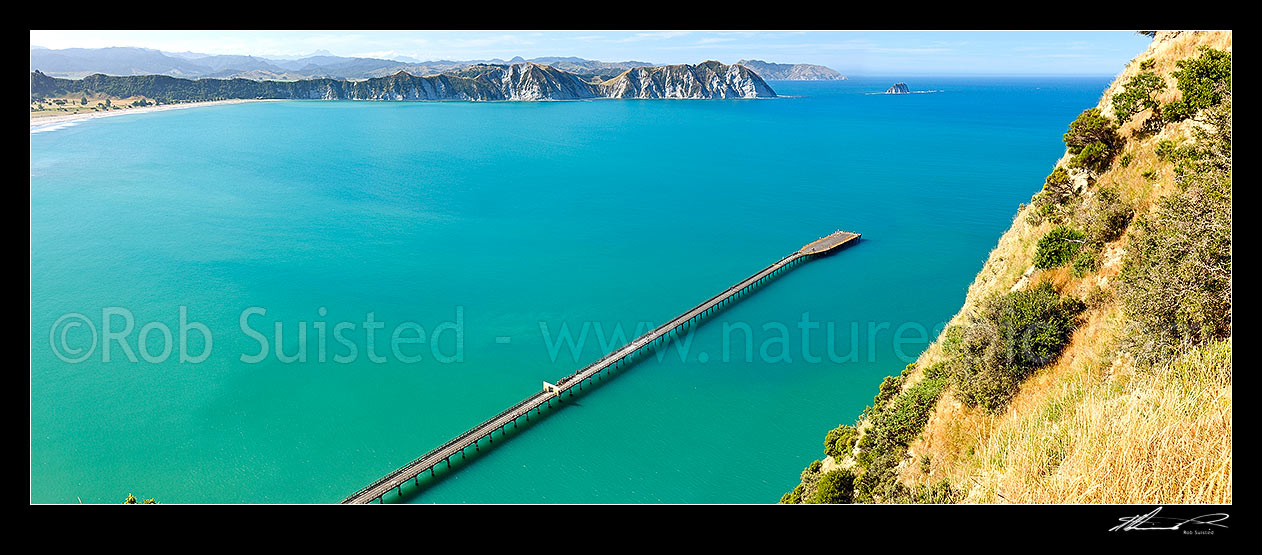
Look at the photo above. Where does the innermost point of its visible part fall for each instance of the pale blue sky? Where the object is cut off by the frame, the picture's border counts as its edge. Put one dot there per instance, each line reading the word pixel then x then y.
pixel 850 52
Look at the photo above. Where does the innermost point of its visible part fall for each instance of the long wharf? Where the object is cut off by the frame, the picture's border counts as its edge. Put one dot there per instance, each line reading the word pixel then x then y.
pixel 621 356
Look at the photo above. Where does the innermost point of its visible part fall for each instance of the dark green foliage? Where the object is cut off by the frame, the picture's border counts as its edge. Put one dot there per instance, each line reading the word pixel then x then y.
pixel 889 388
pixel 878 481
pixel 1126 159
pixel 1165 150
pixel 840 440
pixel 901 422
pixel 1058 247
pixel 1150 174
pixel 1094 157
pixel 1035 324
pixel 937 371
pixel 1092 139
pixel 1058 186
pixel 1202 82
pixel 1147 64
pixel 1138 95
pixel 794 497
pixel 1008 338
pixel 1086 261
pixel 834 487
pixel 953 340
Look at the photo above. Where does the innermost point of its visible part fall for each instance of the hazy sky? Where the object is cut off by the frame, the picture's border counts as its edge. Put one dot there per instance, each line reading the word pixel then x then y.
pixel 850 52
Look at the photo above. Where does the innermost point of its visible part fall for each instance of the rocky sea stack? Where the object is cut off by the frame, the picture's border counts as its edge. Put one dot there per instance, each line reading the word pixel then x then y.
pixel 898 88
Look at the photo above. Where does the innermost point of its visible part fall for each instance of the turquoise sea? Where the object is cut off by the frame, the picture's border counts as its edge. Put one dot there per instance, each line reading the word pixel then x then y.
pixel 485 230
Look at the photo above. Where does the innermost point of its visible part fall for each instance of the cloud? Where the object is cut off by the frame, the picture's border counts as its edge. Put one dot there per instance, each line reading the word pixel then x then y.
pixel 658 35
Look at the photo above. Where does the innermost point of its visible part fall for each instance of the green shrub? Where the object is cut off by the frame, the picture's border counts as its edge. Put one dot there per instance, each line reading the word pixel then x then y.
pixel 839 441
pixel 1046 209
pixel 878 481
pixel 1126 159
pixel 1058 247
pixel 794 497
pixel 1092 139
pixel 1202 82
pixel 889 388
pixel 1086 261
pixel 953 340
pixel 1009 337
pixel 1147 64
pixel 896 426
pixel 1094 157
pixel 834 487
pixel 1052 202
pixel 1137 95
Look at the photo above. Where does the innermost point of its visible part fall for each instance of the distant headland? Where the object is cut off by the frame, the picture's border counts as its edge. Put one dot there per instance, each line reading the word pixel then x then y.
pixel 792 72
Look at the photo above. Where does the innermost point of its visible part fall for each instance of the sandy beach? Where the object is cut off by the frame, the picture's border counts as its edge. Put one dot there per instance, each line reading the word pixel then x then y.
pixel 53 122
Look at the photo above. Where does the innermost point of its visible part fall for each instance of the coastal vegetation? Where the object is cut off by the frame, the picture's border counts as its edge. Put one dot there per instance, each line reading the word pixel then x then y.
pixel 1091 361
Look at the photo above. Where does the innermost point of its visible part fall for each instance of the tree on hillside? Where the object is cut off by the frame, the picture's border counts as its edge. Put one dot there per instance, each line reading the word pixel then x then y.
pixel 1202 82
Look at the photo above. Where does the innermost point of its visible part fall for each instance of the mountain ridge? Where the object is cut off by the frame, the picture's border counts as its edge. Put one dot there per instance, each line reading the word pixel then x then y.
pixel 524 81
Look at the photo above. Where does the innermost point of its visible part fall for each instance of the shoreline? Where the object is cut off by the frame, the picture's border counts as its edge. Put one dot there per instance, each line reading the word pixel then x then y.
pixel 51 122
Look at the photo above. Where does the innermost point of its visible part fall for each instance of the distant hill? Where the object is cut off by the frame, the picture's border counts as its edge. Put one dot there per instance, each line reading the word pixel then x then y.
pixel 792 72
pixel 76 63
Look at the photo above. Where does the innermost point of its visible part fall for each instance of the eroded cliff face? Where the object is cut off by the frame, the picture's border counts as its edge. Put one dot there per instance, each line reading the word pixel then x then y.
pixel 532 82
pixel 705 80
pixel 524 81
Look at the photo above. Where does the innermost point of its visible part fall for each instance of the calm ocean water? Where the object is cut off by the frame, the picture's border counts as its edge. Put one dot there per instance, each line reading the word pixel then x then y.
pixel 485 230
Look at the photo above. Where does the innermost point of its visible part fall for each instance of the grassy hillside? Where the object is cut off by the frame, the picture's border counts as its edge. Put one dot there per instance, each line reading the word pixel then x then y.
pixel 1091 360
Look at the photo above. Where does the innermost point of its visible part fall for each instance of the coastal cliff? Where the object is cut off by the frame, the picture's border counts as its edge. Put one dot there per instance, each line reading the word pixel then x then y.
pixel 526 81
pixel 709 79
pixel 1091 360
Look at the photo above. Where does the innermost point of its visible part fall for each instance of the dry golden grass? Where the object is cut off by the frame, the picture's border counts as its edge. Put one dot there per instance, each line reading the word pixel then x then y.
pixel 1113 434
